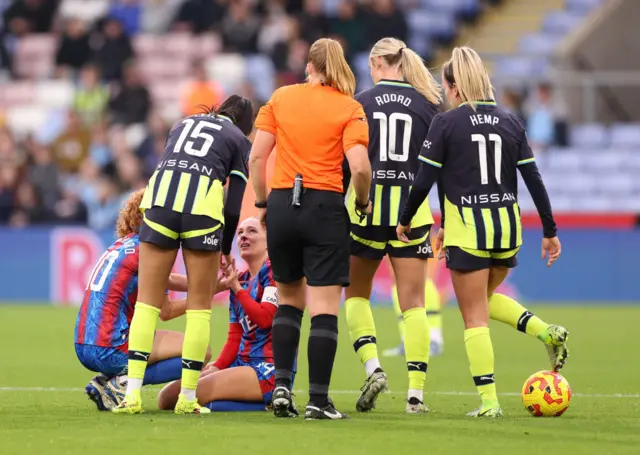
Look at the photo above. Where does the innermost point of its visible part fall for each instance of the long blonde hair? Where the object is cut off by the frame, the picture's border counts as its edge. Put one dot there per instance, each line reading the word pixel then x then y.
pixel 327 57
pixel 396 54
pixel 466 70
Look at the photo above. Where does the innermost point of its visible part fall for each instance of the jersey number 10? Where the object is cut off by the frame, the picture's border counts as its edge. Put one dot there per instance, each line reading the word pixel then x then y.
pixel 102 268
pixel 482 150
pixel 388 133
pixel 196 134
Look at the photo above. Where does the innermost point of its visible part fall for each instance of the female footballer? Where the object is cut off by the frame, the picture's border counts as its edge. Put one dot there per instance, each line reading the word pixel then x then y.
pixel 399 111
pixel 244 370
pixel 474 151
pixel 184 207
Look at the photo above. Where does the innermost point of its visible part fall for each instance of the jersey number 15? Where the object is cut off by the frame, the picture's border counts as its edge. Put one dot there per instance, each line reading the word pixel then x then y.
pixel 206 139
pixel 388 133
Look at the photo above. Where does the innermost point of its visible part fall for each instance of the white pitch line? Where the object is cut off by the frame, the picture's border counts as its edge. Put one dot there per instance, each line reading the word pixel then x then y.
pixel 341 392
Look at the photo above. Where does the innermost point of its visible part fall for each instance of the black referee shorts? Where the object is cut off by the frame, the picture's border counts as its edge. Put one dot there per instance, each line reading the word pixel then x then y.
pixel 310 241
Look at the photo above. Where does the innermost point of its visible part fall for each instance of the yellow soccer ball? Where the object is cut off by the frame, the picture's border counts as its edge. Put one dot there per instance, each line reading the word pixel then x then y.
pixel 546 394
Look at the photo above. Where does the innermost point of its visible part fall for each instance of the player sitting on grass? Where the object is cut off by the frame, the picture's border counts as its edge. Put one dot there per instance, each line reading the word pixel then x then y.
pixel 243 376
pixel 102 326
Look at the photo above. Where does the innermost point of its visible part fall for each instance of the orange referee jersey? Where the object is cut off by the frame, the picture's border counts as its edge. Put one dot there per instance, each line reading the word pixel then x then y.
pixel 314 125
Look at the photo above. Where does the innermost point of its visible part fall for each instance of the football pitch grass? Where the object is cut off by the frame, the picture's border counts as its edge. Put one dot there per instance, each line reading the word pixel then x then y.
pixel 43 409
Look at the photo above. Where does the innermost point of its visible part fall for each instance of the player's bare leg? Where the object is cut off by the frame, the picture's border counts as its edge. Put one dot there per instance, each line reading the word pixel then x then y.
pixel 508 311
pixel 202 271
pixel 233 384
pixel 362 329
pixel 285 336
pixel 153 273
pixel 410 276
pixel 471 293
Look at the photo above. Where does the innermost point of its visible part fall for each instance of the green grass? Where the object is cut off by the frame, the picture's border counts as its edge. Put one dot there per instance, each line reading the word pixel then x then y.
pixel 36 348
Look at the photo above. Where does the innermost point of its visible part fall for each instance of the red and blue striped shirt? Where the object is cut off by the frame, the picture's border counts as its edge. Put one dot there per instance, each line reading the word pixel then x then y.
pixel 110 296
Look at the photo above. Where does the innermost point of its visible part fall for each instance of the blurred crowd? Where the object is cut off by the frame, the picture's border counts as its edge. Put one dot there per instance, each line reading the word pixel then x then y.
pixel 78 169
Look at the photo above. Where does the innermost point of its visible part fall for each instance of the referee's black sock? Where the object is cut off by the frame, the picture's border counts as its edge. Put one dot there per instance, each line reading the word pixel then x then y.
pixel 285 337
pixel 323 342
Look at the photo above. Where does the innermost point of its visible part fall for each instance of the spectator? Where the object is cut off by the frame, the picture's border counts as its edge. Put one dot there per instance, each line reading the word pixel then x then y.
pixel 274 30
pixel 512 103
pixel 130 173
pixel 385 20
pixel 91 97
pixel 30 16
pixel 8 179
pixel 73 48
pixel 71 148
pixel 70 210
pixel 240 28
pixel 350 26
pixel 198 16
pixel 131 102
pixel 129 13
pixel 99 150
pixel 546 119
pixel 156 129
pixel 104 211
pixel 29 208
pixel 313 23
pixel 201 91
pixel 158 15
pixel 85 184
pixel 44 175
pixel 113 50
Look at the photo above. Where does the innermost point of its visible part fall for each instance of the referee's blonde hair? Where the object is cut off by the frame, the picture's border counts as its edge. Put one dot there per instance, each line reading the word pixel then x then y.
pixel 396 54
pixel 327 58
pixel 467 73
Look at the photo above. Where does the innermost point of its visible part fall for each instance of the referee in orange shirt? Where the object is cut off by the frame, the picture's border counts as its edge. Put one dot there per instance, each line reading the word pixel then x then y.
pixel 312 127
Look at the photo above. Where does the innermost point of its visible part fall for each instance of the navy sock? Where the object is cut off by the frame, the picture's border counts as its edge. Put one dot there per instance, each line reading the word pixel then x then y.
pixel 164 371
pixel 285 336
pixel 323 342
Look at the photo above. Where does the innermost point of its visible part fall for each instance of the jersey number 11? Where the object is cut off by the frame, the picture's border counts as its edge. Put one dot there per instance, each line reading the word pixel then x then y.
pixel 482 150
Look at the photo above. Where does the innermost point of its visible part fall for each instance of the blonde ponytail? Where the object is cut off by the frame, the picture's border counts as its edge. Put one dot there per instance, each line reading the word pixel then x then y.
pixel 327 57
pixel 396 53
pixel 466 70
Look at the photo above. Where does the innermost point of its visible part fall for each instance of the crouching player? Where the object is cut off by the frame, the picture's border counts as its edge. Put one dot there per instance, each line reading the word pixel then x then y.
pixel 102 326
pixel 243 376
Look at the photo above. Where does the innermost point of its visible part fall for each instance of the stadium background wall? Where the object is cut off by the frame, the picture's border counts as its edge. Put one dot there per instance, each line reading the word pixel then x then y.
pixel 598 264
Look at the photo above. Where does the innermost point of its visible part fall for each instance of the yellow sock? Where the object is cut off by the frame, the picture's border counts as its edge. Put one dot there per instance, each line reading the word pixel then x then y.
pixel 141 334
pixel 432 305
pixel 396 307
pixel 477 341
pixel 194 348
pixel 507 310
pixel 363 332
pixel 416 346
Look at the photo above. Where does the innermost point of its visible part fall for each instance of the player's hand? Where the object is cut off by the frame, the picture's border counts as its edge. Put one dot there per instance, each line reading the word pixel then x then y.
pixel 262 216
pixel 221 284
pixel 439 243
pixel 208 369
pixel 401 232
pixel 551 249
pixel 231 277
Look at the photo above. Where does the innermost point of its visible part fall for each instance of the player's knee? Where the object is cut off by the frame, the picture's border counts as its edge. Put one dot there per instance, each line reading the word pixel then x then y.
pixel 166 399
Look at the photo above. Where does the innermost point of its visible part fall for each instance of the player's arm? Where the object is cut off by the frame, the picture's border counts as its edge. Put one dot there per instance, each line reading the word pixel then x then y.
pixel 172 309
pixel 431 159
pixel 355 140
pixel 177 282
pixel 532 178
pixel 229 351
pixel 235 193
